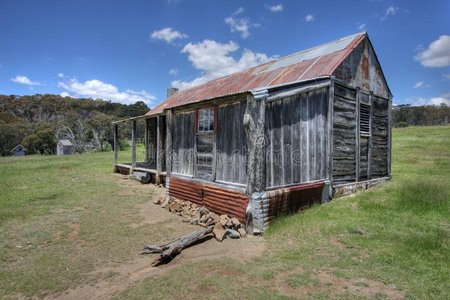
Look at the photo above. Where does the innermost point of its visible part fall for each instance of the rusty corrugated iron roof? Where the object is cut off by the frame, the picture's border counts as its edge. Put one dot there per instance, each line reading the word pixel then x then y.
pixel 304 65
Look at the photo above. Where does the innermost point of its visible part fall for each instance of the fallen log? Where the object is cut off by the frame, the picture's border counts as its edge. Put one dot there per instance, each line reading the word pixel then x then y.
pixel 172 249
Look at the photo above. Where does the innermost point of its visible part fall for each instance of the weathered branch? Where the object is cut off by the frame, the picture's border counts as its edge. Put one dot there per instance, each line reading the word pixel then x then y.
pixel 172 249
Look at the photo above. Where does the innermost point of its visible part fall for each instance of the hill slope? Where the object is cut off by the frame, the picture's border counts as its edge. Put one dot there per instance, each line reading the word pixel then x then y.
pixel 38 121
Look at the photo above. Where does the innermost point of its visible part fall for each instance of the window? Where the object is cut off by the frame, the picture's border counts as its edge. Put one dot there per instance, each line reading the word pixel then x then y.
pixel 206 120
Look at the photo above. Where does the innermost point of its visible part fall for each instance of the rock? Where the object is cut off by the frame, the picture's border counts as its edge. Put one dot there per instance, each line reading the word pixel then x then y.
pixel 215 217
pixel 204 218
pixel 233 234
pixel 194 221
pixel 210 221
pixel 242 232
pixel 235 222
pixel 203 211
pixel 158 201
pixel 165 201
pixel 224 220
pixel 219 232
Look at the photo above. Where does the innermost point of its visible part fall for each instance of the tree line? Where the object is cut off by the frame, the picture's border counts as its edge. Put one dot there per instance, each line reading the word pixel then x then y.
pixel 39 121
pixel 406 115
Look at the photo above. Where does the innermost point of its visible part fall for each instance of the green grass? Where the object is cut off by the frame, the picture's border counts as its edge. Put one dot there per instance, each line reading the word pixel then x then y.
pixel 394 238
pixel 392 241
pixel 61 218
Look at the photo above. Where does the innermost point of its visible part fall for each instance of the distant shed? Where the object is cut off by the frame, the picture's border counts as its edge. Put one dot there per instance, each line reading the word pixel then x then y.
pixel 19 150
pixel 273 138
pixel 64 147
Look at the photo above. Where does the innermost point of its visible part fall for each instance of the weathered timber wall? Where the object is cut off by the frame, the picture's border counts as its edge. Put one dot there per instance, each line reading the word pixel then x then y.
pixel 183 143
pixel 163 132
pixel 296 138
pixel 151 147
pixel 362 69
pixel 205 147
pixel 230 160
pixel 380 140
pixel 344 134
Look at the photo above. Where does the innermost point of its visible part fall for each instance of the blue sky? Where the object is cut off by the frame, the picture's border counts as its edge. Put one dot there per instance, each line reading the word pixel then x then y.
pixel 133 50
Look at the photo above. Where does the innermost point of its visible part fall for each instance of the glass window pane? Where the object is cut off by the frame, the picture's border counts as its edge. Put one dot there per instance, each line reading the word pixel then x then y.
pixel 206 119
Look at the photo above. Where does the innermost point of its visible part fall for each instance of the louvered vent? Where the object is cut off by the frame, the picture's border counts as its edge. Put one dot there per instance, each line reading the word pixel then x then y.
pixel 364 119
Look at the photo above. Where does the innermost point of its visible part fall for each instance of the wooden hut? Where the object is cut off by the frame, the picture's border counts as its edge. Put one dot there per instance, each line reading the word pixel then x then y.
pixel 64 147
pixel 276 137
pixel 18 150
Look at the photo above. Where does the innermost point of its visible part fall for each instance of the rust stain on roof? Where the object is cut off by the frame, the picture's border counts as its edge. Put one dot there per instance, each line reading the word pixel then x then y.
pixel 304 65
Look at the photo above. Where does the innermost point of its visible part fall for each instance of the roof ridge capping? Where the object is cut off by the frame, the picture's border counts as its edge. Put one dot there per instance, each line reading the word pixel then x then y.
pixel 314 52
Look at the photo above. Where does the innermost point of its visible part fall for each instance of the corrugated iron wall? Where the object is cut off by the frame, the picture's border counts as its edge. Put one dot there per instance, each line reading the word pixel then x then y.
pixel 217 199
pixel 266 206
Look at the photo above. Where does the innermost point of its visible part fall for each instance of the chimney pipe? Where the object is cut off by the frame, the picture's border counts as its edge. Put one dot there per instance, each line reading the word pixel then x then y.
pixel 171 91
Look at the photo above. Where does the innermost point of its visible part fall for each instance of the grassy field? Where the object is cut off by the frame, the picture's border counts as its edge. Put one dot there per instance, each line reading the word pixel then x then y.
pixel 63 218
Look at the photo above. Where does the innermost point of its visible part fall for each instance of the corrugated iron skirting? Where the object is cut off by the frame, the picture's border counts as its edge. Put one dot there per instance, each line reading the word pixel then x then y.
pixel 266 206
pixel 217 199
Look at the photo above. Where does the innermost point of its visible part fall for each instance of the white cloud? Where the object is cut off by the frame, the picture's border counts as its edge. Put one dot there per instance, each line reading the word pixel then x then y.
pixel 309 18
pixel 98 89
pixel 275 8
pixel 173 72
pixel 24 80
pixel 390 11
pixel 60 75
pixel 214 60
pixel 446 76
pixel 240 10
pixel 239 24
pixel 361 27
pixel 437 101
pixel 421 84
pixel 437 55
pixel 167 34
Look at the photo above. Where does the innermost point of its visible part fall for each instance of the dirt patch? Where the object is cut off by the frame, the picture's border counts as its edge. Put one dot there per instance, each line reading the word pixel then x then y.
pixel 130 273
pixel 300 284
pixel 74 231
pixel 337 243
pixel 116 279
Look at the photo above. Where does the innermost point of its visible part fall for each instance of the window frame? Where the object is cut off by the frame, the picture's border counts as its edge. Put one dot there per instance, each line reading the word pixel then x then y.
pixel 197 120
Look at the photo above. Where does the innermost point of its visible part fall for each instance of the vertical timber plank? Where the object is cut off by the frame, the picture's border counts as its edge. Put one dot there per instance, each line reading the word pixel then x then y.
pixel 254 123
pixel 168 143
pixel 357 137
pixel 330 149
pixel 159 148
pixel 116 143
pixel 133 146
pixel 369 154
pixel 389 153
pixel 146 141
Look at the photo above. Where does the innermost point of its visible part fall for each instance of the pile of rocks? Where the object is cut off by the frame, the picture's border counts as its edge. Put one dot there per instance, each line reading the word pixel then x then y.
pixel 224 225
